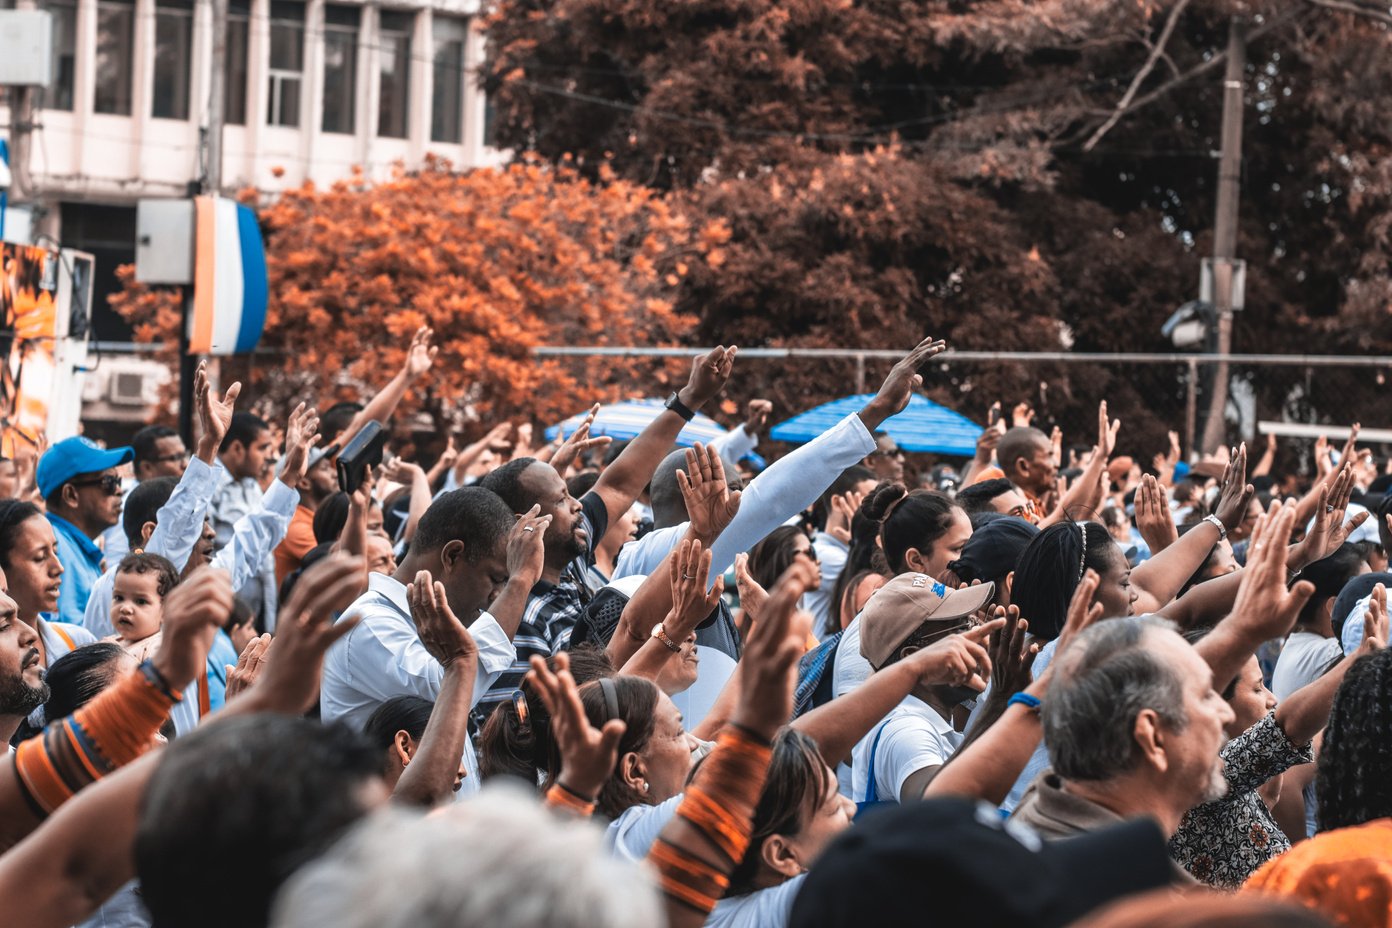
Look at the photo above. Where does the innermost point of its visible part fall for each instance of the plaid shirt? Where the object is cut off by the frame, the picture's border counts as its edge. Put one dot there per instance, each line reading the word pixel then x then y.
pixel 553 608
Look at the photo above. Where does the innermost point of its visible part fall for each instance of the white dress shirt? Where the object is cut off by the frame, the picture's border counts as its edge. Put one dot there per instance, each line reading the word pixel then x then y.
pixel 831 558
pixel 233 500
pixel 383 657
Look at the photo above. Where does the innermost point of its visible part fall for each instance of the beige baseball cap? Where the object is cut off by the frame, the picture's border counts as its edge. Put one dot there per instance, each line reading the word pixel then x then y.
pixel 897 609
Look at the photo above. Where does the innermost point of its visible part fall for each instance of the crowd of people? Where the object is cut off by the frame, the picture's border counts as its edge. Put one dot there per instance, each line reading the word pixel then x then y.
pixel 624 683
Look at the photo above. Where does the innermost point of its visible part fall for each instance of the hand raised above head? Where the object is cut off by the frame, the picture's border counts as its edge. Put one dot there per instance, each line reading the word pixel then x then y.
pixel 903 379
pixel 710 505
pixel 709 374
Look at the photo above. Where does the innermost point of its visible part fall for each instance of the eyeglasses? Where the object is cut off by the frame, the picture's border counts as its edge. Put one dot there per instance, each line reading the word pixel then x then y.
pixel 110 484
pixel 886 453
pixel 809 553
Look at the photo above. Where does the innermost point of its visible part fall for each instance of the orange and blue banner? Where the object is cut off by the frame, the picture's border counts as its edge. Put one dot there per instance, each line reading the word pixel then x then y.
pixel 230 287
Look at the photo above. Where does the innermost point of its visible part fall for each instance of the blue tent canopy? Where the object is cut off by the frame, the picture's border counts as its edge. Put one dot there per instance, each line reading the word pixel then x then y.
pixel 922 426
pixel 626 420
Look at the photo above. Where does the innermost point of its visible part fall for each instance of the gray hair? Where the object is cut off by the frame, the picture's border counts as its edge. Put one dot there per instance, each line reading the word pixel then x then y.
pixel 500 860
pixel 1101 684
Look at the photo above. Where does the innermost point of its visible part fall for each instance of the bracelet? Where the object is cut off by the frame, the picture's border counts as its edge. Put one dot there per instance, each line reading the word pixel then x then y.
pixel 750 733
pixel 1024 699
pixel 675 404
pixel 580 796
pixel 156 679
pixel 1217 523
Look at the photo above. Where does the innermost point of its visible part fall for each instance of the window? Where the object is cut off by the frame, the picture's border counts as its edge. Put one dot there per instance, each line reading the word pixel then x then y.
pixel 115 39
pixel 393 107
pixel 447 104
pixel 234 89
pixel 59 94
pixel 173 48
pixel 287 62
pixel 341 25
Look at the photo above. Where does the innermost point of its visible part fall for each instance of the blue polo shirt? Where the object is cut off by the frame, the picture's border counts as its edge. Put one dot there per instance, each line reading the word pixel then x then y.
pixel 81 560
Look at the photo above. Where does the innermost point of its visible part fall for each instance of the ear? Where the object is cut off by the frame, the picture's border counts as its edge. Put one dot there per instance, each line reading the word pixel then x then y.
pixel 146 531
pixel 778 855
pixel 1009 586
pixel 1150 737
pixel 915 561
pixel 632 771
pixel 402 747
pixel 451 556
pixel 68 495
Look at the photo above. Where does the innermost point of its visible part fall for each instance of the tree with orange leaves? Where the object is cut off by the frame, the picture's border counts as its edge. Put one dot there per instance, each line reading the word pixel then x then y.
pixel 495 261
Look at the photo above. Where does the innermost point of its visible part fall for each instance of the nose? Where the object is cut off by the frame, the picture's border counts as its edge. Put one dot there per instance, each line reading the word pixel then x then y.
pixel 1228 715
pixel 690 639
pixel 691 743
pixel 27 635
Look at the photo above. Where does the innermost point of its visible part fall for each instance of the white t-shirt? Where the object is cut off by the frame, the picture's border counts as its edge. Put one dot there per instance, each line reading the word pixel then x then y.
pixel 1304 659
pixel 850 671
pixel 632 834
pixel 763 908
pixel 914 737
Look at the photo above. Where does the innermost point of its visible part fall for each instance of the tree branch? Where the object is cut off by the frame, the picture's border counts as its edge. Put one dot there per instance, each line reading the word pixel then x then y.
pixel 1355 9
pixel 1156 51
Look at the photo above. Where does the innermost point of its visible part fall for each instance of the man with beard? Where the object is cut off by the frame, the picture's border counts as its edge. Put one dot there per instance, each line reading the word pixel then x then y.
pixel 559 598
pixel 898 757
pixel 1134 725
pixel 22 687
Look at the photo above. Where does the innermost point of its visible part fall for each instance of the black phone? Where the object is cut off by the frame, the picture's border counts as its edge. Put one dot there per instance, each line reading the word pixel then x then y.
pixel 364 451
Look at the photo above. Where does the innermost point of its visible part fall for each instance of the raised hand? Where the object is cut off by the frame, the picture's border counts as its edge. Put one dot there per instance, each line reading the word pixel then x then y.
pixel 903 379
pixel 214 415
pixel 421 354
pixel 1235 492
pixel 193 612
pixel 1323 463
pixel 710 506
pixel 1264 605
pixel 986 445
pixel 301 434
pixel 1022 415
pixel 1056 444
pixel 578 443
pixel 442 634
pixel 1375 622
pixel 709 373
pixel 1153 519
pixel 844 506
pixel 693 596
pixel 399 471
pixel 768 666
pixel 1329 529
pixel 1011 652
pixel 241 677
pixel 756 415
pixel 752 596
pixel 290 672
pixel 588 755
pixel 1106 431
pixel 526 547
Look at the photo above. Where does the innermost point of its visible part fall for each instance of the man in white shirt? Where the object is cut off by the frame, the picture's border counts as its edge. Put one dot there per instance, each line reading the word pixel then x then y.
pixel 487 559
pixel 899 756
pixel 1312 647
pixel 159 452
pixel 246 452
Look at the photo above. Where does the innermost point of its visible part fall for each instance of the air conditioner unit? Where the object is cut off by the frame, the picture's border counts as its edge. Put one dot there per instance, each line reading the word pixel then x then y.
pixel 94 387
pixel 127 388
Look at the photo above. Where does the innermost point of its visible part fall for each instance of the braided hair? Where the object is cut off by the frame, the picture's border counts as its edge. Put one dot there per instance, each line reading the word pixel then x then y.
pixel 1354 778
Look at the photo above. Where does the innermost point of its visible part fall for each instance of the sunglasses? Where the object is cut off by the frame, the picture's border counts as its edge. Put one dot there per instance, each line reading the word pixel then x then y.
pixel 886 453
pixel 110 484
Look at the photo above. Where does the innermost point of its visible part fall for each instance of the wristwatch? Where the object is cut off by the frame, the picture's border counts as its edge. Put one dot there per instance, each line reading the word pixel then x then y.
pixel 660 634
pixel 1218 523
pixel 677 406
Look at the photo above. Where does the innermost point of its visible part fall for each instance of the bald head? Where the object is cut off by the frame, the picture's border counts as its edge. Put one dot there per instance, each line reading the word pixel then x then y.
pixel 665 496
pixel 1026 456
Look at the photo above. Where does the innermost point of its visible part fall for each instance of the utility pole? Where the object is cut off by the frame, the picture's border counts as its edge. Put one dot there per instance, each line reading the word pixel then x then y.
pixel 210 183
pixel 1225 228
pixel 21 133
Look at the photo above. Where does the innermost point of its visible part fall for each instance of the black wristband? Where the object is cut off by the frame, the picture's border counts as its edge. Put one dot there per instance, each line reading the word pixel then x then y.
pixel 156 679
pixel 580 796
pixel 675 404
pixel 750 733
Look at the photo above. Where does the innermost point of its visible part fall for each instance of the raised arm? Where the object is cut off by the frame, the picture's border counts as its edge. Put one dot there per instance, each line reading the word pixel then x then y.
pixel 588 754
pixel 693 599
pixel 1085 495
pixel 429 779
pixel 1161 577
pixel 624 479
pixel 414 477
pixel 525 558
pixel 419 356
pixel 1153 519
pixel 699 848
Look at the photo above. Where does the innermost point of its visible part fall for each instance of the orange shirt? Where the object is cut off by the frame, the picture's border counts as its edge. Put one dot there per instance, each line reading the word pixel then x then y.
pixel 299 539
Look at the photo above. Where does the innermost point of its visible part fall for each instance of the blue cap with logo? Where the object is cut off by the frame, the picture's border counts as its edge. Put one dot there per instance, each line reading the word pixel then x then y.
pixel 75 456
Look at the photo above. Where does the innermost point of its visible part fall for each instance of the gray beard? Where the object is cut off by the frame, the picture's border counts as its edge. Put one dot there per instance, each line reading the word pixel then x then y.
pixel 1217 786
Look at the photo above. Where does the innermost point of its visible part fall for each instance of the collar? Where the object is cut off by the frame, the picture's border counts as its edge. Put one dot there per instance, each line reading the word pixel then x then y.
pixel 824 538
pixel 76 536
pixel 914 706
pixel 391 588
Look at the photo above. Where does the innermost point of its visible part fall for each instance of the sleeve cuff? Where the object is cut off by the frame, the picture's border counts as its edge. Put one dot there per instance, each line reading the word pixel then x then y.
pixel 496 652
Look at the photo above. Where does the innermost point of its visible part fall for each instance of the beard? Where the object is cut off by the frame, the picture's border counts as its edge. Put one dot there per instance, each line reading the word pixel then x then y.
pixel 1217 786
pixel 19 698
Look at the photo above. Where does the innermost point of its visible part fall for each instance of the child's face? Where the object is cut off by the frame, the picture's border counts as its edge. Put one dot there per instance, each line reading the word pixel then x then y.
pixel 136 605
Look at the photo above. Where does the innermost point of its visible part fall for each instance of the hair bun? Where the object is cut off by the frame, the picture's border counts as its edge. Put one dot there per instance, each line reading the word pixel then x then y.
pixel 882 500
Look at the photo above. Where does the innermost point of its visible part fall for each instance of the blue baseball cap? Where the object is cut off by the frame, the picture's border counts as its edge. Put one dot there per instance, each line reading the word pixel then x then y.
pixel 75 456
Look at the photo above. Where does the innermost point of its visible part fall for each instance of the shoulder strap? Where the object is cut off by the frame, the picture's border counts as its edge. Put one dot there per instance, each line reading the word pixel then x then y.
pixel 872 789
pixel 67 639
pixel 204 705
